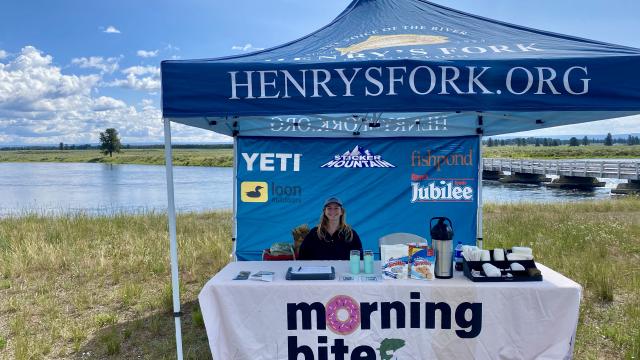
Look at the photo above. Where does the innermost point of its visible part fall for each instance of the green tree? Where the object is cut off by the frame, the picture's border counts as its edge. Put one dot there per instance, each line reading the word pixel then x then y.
pixel 585 141
pixel 608 141
pixel 573 141
pixel 61 146
pixel 110 142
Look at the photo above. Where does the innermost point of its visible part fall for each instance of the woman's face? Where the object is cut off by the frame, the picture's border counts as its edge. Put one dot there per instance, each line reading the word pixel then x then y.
pixel 333 211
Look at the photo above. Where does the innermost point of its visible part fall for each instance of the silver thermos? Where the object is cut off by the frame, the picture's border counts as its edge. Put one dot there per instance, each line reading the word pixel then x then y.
pixel 441 241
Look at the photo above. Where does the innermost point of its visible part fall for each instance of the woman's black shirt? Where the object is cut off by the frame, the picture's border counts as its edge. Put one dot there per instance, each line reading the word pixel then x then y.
pixel 333 247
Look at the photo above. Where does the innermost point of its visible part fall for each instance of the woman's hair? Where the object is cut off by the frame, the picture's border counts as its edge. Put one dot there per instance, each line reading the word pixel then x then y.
pixel 343 227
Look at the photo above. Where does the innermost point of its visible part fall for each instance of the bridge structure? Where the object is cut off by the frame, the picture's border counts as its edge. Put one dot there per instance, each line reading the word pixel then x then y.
pixel 572 174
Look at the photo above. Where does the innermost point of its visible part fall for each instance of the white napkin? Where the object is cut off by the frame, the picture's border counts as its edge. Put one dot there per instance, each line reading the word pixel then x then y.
pixel 490 270
pixel 522 250
pixel 516 257
pixel 485 256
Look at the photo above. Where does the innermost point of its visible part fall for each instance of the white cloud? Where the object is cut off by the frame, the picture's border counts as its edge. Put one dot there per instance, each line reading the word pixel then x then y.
pixel 3 54
pixel 147 54
pixel 111 30
pixel 31 83
pixel 104 103
pixel 41 105
pixel 142 70
pixel 246 47
pixel 170 47
pixel 144 78
pixel 108 65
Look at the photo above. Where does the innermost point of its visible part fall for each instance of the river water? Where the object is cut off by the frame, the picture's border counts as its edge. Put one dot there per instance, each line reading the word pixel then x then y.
pixel 55 188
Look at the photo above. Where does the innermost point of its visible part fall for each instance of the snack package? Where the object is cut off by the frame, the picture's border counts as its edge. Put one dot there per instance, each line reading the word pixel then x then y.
pixel 423 261
pixel 394 261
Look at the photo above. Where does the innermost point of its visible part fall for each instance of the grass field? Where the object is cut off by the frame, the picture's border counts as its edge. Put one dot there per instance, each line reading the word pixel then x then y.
pixel 193 157
pixel 224 157
pixel 99 287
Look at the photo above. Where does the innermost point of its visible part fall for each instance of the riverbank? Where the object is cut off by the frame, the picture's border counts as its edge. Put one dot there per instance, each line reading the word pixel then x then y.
pixel 181 157
pixel 224 157
pixel 563 152
pixel 87 287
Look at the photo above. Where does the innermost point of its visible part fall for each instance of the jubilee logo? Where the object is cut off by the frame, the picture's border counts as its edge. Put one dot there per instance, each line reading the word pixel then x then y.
pixel 441 191
pixel 359 157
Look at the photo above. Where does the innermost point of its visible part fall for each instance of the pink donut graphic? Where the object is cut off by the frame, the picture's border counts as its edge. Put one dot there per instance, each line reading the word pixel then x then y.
pixel 351 323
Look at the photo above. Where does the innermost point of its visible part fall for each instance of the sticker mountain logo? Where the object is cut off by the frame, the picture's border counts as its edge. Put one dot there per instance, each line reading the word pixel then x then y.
pixel 358 158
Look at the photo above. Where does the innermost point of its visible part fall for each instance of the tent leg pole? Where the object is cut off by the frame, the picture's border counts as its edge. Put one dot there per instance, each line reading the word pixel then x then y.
pixel 173 245
pixel 235 203
pixel 479 241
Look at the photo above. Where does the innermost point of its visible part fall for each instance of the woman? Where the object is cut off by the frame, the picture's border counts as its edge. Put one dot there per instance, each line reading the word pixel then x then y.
pixel 332 239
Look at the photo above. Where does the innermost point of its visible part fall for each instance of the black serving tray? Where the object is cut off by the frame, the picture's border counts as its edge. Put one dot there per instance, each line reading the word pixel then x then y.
pixel 505 268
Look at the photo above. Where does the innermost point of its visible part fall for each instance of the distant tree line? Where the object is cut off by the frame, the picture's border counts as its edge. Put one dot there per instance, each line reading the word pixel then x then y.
pixel 63 146
pixel 609 140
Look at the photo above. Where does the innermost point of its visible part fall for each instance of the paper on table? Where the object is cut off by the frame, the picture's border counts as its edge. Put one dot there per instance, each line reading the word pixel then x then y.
pixel 312 270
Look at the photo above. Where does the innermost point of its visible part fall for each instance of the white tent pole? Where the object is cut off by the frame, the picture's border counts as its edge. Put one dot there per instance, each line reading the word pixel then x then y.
pixel 173 244
pixel 235 204
pixel 479 241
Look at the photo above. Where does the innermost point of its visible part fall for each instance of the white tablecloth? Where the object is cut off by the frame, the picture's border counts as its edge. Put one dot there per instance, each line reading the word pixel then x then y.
pixel 249 320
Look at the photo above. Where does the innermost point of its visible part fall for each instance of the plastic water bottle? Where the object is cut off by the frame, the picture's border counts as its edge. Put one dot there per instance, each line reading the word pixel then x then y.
pixel 457 256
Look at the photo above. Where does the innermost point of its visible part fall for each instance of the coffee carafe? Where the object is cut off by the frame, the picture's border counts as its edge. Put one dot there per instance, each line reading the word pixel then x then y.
pixel 441 236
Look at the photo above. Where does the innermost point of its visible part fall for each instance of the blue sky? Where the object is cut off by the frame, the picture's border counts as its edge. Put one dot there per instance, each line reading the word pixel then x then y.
pixel 71 68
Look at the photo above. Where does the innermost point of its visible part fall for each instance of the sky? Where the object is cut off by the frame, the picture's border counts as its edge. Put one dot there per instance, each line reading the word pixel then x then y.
pixel 72 68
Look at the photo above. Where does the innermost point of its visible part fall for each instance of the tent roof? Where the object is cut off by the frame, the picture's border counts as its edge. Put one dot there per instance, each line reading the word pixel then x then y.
pixel 397 56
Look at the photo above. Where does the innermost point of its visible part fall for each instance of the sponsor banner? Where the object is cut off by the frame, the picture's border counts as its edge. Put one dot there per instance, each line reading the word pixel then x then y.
pixel 387 185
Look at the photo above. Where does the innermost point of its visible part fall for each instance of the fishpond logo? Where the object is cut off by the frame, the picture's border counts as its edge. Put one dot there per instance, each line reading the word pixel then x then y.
pixel 358 158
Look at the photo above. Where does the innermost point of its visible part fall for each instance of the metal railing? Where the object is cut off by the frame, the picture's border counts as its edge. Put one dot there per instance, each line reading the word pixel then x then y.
pixel 584 168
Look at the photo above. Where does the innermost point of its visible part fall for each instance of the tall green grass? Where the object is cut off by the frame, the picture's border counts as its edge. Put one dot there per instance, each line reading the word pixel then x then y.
pixel 563 152
pixel 224 157
pixel 99 287
pixel 186 157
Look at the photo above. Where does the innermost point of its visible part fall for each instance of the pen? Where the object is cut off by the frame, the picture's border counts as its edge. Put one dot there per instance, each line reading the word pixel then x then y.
pixel 300 268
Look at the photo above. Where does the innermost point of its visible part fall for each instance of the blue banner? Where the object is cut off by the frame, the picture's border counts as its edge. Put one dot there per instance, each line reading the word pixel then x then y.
pixel 387 185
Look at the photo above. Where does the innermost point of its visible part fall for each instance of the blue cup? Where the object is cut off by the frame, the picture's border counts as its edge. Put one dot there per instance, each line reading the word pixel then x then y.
pixel 354 261
pixel 368 261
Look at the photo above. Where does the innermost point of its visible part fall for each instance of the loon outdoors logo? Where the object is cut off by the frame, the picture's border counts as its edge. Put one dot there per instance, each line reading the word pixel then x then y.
pixel 254 191
pixel 260 192
pixel 358 158
pixel 385 41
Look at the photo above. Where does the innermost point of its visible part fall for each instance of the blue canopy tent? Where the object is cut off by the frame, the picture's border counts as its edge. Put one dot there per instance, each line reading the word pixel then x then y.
pixel 400 68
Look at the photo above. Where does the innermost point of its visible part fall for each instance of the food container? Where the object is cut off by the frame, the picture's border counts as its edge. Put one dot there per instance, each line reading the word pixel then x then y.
pixel 471 267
